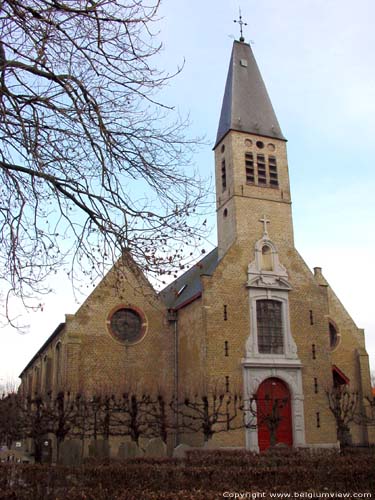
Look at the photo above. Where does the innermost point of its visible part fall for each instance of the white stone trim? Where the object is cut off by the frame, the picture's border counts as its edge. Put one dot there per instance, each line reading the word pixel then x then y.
pixel 292 376
pixel 257 367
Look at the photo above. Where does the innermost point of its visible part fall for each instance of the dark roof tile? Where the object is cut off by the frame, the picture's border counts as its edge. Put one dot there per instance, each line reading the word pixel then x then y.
pixel 189 285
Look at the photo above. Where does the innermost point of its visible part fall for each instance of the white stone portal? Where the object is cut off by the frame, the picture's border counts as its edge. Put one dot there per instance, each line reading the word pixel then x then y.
pixel 254 375
pixel 272 284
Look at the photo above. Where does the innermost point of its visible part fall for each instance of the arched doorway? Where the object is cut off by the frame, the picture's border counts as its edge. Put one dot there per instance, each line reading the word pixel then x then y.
pixel 274 416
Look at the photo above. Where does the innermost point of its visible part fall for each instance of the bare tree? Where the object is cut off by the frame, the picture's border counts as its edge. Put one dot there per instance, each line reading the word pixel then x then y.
pixel 210 413
pixel 132 415
pixel 158 417
pixel 91 163
pixel 345 406
pixel 64 416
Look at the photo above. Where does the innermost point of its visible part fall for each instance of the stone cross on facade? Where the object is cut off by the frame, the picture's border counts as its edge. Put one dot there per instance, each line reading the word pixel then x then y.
pixel 265 221
pixel 241 23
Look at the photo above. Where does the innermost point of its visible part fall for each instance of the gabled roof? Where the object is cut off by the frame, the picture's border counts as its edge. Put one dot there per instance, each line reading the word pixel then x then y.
pixel 188 286
pixel 246 105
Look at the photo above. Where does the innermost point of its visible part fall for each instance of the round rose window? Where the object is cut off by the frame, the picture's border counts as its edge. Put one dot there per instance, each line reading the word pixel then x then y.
pixel 127 325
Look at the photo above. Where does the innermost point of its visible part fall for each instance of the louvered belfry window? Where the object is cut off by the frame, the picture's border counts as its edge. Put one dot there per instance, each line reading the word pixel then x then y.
pixel 270 327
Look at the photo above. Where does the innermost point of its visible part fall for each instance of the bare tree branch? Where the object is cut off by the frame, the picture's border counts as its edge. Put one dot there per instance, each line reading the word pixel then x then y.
pixel 92 165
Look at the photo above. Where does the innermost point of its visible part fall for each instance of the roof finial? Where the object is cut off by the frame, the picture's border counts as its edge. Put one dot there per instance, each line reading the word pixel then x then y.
pixel 241 23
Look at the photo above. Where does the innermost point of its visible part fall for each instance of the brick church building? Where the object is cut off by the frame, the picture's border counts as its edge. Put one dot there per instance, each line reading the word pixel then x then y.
pixel 250 315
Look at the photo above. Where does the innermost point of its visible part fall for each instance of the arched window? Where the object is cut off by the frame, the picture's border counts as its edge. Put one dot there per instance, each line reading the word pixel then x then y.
pixel 47 374
pixel 270 327
pixel 30 385
pixel 266 258
pixel 36 380
pixel 58 365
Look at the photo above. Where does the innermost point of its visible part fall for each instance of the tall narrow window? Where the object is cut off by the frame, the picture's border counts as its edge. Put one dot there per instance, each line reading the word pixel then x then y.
pixel 273 171
pixel 262 178
pixel 36 380
pixel 318 419
pixel 270 327
pixel 316 385
pixel 47 372
pixel 249 163
pixel 225 312
pixel 30 385
pixel 227 383
pixel 226 348
pixel 223 176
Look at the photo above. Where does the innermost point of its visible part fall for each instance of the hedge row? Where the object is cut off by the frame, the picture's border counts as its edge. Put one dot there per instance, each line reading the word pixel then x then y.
pixel 209 473
pixel 79 493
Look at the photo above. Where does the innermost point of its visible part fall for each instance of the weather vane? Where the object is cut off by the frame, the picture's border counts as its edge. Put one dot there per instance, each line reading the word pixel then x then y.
pixel 241 23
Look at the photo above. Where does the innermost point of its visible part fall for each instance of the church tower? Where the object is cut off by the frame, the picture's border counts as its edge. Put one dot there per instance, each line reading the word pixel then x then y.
pixel 279 318
pixel 250 158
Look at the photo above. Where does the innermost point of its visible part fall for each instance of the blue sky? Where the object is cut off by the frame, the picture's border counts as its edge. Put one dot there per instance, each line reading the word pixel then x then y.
pixel 317 60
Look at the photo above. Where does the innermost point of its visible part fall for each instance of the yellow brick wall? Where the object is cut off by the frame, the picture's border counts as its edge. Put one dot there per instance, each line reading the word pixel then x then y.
pixel 106 364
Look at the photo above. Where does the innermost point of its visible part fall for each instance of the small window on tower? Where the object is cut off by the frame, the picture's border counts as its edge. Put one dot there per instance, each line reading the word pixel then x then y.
pixel 262 179
pixel 223 176
pixel 273 171
pixel 249 163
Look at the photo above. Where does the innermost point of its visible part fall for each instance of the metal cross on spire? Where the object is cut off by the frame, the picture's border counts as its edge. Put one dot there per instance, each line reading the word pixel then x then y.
pixel 241 23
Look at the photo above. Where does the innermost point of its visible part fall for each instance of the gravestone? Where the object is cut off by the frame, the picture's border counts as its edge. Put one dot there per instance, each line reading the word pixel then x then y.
pixel 156 448
pixel 99 448
pixel 70 453
pixel 46 453
pixel 180 450
pixel 130 449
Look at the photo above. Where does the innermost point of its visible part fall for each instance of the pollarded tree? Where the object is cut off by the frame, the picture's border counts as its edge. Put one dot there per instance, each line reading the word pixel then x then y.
pixel 344 404
pixel 209 413
pixel 91 163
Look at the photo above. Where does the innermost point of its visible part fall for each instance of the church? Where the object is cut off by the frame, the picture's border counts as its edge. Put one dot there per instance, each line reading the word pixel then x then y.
pixel 249 316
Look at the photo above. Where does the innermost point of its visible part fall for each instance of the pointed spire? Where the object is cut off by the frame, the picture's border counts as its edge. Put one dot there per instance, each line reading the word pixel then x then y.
pixel 246 105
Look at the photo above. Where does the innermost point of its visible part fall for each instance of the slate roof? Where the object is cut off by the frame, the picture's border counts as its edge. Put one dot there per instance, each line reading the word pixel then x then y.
pixel 188 286
pixel 246 105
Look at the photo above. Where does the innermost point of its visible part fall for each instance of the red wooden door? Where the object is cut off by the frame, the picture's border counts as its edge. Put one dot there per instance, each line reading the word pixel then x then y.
pixel 274 413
